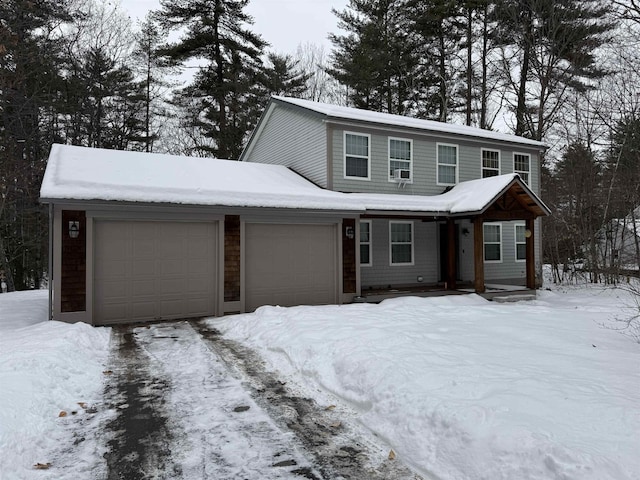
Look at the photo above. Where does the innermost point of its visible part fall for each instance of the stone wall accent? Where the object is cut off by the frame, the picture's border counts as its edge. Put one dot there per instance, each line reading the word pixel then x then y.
pixel 348 256
pixel 232 258
pixel 73 278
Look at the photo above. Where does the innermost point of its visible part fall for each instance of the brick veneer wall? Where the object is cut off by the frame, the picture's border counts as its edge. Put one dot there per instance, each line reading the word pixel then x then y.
pixel 73 284
pixel 231 258
pixel 348 257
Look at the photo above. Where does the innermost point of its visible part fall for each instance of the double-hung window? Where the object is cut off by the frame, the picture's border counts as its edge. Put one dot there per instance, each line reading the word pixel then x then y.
pixel 521 243
pixel 401 242
pixel 522 166
pixel 490 163
pixel 400 158
pixel 447 164
pixel 492 242
pixel 365 243
pixel 357 156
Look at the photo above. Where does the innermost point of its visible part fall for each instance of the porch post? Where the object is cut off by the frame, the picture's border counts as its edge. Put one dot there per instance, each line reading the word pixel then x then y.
pixel 451 254
pixel 530 255
pixel 478 254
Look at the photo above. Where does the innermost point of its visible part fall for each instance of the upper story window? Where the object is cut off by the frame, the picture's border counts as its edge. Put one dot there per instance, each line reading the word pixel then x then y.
pixel 522 166
pixel 492 242
pixel 521 243
pixel 365 243
pixel 447 164
pixel 400 159
pixel 490 163
pixel 357 158
pixel 401 242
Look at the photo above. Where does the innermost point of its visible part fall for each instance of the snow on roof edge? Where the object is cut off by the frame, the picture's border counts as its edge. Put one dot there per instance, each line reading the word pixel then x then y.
pixel 351 113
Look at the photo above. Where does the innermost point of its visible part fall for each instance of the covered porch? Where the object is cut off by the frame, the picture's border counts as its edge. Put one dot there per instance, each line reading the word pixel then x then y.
pixel 449 252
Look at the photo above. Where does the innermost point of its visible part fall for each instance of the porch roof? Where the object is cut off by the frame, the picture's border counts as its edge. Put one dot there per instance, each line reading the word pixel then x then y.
pixel 471 198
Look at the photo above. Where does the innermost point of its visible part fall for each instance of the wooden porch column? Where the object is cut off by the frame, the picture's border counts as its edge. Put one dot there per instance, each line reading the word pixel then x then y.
pixel 478 254
pixel 451 254
pixel 530 255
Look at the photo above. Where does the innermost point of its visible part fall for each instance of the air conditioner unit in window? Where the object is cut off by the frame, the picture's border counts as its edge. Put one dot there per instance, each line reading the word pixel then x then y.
pixel 401 174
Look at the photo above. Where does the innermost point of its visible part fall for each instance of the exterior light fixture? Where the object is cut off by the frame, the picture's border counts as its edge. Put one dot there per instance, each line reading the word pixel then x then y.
pixel 74 229
pixel 527 233
pixel 465 231
pixel 349 232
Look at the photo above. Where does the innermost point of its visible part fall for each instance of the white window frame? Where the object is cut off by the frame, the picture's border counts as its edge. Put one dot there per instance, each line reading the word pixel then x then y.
pixel 484 242
pixel 412 243
pixel 528 155
pixel 370 243
pixel 482 167
pixel 516 243
pixel 368 157
pixel 410 141
pixel 457 165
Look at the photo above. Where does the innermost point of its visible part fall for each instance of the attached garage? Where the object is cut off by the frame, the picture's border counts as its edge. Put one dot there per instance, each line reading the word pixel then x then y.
pixel 139 237
pixel 153 270
pixel 290 264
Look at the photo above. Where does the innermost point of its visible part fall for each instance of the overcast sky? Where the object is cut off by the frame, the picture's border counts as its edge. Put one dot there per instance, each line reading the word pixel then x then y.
pixel 283 23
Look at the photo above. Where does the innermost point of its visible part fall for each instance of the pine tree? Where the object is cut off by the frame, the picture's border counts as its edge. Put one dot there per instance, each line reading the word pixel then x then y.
pixel 377 59
pixel 215 33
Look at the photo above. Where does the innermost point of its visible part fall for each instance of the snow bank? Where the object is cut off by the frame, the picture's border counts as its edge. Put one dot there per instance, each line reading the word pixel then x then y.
pixel 463 388
pixel 45 368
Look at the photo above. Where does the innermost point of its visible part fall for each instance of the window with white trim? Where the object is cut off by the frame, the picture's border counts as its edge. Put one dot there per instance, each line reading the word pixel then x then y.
pixel 400 156
pixel 447 164
pixel 401 243
pixel 492 242
pixel 365 243
pixel 522 166
pixel 356 156
pixel 490 163
pixel 521 243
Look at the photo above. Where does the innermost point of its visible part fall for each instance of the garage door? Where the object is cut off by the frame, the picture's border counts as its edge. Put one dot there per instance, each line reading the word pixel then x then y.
pixel 154 270
pixel 290 265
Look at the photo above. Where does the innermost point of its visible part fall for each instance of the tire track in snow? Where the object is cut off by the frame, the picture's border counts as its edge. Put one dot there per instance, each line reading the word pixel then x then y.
pixel 339 450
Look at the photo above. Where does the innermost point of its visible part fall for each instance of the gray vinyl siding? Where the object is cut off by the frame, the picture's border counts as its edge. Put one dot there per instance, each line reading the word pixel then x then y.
pixel 382 274
pixel 293 138
pixel 424 162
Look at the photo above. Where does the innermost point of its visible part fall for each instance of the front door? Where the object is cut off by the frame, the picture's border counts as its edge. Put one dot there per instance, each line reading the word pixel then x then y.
pixel 444 250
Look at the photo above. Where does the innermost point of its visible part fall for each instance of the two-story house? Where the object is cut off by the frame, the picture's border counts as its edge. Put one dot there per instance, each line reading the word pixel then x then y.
pixel 351 150
pixel 329 204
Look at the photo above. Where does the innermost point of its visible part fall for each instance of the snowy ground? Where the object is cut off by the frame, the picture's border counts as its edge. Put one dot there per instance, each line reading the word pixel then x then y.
pixel 462 388
pixel 458 387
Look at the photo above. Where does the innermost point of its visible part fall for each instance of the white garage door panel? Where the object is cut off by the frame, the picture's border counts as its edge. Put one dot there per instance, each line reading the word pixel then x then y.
pixel 290 265
pixel 154 270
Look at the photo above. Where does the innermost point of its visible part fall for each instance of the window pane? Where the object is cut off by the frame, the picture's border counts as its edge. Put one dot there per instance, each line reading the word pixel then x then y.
pixel 490 159
pixel 520 238
pixel 521 251
pixel 492 233
pixel 357 145
pixel 357 167
pixel 400 150
pixel 401 253
pixel 524 176
pixel 489 173
pixel 365 232
pixel 364 254
pixel 521 163
pixel 492 251
pixel 447 154
pixel 401 232
pixel 446 174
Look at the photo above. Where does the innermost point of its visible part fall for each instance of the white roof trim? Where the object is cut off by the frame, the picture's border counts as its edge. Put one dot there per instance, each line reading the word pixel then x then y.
pixel 349 113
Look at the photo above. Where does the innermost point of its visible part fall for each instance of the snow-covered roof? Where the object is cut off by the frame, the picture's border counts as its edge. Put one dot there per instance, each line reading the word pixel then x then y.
pixel 469 197
pixel 349 113
pixel 80 173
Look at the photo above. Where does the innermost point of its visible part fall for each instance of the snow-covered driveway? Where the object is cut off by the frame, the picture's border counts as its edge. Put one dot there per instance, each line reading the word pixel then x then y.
pixel 192 405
